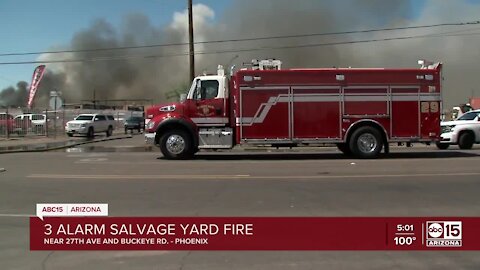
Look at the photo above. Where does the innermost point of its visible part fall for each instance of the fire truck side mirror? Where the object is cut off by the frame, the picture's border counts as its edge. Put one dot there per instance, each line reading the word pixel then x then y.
pixel 183 97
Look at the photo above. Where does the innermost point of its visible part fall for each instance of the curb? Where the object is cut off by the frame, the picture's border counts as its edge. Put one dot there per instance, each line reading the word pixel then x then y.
pixel 120 137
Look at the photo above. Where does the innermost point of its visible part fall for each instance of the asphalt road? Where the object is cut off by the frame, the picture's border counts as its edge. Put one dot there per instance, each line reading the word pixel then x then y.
pixel 419 181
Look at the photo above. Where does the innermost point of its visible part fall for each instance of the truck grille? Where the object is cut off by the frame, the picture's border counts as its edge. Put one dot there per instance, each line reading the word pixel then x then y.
pixel 74 125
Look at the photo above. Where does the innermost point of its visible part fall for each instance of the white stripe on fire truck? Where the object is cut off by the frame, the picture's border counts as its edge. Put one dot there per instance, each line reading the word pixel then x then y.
pixel 264 108
pixel 210 120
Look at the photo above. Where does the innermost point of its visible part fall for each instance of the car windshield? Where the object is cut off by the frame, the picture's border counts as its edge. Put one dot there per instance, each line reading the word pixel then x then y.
pixel 468 116
pixel 84 117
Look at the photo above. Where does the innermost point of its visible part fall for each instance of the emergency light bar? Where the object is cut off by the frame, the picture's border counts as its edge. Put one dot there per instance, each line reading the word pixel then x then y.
pixel 267 64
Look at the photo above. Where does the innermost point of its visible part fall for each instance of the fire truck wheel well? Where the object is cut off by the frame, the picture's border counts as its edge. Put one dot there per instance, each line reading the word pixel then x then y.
pixel 175 125
pixel 367 123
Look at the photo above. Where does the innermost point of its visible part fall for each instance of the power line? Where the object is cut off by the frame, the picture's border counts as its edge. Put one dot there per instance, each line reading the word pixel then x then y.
pixel 247 39
pixel 126 57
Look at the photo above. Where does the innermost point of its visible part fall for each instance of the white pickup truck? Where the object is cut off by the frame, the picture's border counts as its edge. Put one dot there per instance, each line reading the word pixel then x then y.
pixel 89 124
pixel 464 132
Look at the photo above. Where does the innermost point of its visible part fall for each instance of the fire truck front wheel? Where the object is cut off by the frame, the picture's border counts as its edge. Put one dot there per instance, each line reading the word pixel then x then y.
pixel 366 142
pixel 176 144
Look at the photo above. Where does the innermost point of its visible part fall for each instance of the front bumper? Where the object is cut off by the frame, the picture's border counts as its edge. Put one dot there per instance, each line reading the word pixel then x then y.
pixel 79 130
pixel 134 126
pixel 449 137
pixel 150 138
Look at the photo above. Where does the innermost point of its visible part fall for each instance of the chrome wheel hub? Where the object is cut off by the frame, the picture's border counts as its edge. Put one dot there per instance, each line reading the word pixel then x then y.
pixel 367 143
pixel 175 144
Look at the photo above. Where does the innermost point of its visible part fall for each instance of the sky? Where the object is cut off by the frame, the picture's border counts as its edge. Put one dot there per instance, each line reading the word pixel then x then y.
pixel 31 26
pixel 27 25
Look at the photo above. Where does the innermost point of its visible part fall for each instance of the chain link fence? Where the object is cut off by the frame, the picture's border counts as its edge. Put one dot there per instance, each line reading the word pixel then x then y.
pixel 21 123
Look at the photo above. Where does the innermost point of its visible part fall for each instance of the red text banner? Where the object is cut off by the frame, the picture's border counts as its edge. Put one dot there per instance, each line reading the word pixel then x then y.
pixel 254 233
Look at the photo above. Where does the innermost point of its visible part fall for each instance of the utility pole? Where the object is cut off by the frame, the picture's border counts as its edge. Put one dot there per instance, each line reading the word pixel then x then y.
pixel 94 100
pixel 190 40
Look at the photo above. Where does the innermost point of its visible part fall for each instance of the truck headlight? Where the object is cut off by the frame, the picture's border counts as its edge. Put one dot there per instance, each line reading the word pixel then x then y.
pixel 447 129
pixel 83 125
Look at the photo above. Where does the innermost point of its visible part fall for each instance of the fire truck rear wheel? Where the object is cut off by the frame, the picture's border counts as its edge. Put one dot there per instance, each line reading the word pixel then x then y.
pixel 366 142
pixel 176 144
pixel 466 140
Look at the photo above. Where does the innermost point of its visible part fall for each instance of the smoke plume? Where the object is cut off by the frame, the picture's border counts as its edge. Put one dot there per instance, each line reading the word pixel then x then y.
pixel 14 96
pixel 140 77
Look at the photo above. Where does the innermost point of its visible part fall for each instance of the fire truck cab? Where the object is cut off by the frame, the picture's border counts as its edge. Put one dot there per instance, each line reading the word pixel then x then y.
pixel 361 110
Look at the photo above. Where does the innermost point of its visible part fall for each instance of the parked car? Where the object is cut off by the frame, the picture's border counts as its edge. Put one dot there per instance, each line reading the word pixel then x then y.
pixel 464 132
pixel 22 126
pixel 89 124
pixel 37 121
pixel 6 123
pixel 134 123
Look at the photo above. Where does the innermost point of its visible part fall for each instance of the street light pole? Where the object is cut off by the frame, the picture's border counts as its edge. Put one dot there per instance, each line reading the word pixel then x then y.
pixel 190 40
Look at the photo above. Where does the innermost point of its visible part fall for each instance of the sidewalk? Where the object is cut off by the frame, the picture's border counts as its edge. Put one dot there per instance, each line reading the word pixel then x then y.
pixel 42 143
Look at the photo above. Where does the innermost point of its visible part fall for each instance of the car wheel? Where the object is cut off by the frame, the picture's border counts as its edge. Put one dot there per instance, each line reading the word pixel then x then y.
pixel 176 144
pixel 466 140
pixel 366 142
pixel 109 131
pixel 442 146
pixel 91 132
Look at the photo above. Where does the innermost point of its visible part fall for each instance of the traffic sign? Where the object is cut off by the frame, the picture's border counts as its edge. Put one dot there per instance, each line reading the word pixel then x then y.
pixel 55 103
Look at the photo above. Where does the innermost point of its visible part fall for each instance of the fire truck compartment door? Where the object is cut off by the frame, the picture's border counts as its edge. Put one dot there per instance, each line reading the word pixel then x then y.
pixel 215 138
pixel 265 113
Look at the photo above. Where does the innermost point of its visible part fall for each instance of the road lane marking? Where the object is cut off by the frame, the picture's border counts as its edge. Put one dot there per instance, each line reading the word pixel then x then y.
pixel 292 177
pixel 67 176
pixel 340 161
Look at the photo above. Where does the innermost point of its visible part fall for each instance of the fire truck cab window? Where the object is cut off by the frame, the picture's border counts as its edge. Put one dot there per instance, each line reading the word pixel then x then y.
pixel 206 90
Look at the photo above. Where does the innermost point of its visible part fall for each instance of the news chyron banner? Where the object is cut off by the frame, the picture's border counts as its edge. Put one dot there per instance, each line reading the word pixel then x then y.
pixel 88 227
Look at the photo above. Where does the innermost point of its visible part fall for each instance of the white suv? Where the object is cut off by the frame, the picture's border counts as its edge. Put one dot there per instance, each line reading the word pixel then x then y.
pixel 464 132
pixel 36 119
pixel 89 124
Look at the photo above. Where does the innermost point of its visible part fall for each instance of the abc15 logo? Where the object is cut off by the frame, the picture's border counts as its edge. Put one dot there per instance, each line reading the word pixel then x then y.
pixel 447 230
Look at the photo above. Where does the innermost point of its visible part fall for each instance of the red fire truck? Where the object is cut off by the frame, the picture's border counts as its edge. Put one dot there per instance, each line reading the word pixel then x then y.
pixel 361 110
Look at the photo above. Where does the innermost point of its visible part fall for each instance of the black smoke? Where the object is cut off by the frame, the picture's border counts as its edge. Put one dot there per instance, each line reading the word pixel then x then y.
pixel 132 74
pixel 14 96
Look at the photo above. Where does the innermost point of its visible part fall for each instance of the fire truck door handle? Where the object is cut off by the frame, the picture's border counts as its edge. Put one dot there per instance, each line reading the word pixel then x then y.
pixel 218 111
